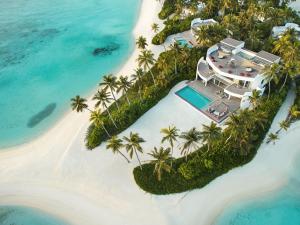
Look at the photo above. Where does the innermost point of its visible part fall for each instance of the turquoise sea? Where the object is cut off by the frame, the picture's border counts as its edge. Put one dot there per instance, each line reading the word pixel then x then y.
pixel 26 216
pixel 279 208
pixel 46 57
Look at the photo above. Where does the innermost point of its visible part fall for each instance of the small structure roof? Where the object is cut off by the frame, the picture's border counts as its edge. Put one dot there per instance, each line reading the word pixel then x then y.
pixel 269 57
pixel 232 42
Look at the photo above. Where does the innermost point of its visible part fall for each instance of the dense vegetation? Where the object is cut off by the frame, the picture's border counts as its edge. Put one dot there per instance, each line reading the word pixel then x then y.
pixel 238 143
pixel 222 150
pixel 144 94
pixel 236 146
pixel 168 9
pixel 251 22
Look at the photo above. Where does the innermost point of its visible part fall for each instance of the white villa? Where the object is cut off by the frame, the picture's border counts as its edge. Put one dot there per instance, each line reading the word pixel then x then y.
pixel 278 31
pixel 236 70
pixel 198 22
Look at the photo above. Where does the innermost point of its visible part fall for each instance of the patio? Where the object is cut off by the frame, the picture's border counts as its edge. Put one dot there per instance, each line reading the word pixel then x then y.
pixel 235 64
pixel 220 107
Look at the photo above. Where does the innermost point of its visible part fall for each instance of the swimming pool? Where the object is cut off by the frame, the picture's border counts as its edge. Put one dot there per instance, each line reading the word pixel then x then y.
pixel 193 97
pixel 183 43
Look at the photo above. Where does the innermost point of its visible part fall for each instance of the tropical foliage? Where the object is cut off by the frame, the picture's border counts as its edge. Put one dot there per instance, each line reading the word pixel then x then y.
pixel 234 146
pixel 140 92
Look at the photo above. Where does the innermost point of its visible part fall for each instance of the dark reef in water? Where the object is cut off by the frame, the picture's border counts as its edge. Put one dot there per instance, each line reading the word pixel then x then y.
pixel 14 52
pixel 37 118
pixel 107 50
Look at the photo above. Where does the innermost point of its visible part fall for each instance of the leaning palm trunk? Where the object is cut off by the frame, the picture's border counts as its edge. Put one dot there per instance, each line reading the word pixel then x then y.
pixel 269 90
pixel 104 128
pixel 140 93
pixel 127 98
pixel 283 82
pixel 111 117
pixel 152 75
pixel 124 156
pixel 137 156
pixel 116 101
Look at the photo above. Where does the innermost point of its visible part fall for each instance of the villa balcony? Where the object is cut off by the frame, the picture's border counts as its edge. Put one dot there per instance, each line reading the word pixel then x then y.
pixel 203 71
pixel 236 90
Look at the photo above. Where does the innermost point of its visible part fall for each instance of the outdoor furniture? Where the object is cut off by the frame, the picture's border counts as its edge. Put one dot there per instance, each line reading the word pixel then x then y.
pixel 211 110
pixel 248 69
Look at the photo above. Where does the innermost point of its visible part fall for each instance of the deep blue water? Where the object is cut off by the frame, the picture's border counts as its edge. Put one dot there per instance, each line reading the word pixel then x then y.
pixel 279 208
pixel 26 216
pixel 46 57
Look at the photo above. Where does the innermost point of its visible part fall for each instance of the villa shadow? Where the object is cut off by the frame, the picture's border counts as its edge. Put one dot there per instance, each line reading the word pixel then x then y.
pixel 40 116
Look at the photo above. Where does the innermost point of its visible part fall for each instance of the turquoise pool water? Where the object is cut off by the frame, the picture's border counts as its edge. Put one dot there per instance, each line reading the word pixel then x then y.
pixel 279 208
pixel 193 97
pixel 46 57
pixel 183 42
pixel 15 215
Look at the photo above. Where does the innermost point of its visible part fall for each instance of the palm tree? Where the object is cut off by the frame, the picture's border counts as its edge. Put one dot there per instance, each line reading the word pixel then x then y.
pixel 210 6
pixel 290 69
pixel 176 48
pixel 115 144
pixel 137 76
pixel 124 85
pixel 254 38
pixel 133 145
pixel 271 73
pixel 191 141
pixel 285 124
pixel 161 158
pixel 254 98
pixel 97 119
pixel 163 66
pixel 146 59
pixel 110 81
pixel 287 46
pixel 155 27
pixel 272 138
pixel 210 133
pixel 294 112
pixel 170 135
pixel 141 42
pixel 227 4
pixel 102 98
pixel 79 104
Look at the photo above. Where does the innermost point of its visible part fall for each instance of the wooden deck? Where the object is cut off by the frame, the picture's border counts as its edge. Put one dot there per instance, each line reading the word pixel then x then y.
pixel 216 95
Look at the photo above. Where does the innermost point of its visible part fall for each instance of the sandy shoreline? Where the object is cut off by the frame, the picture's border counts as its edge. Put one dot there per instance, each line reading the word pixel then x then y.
pixel 56 173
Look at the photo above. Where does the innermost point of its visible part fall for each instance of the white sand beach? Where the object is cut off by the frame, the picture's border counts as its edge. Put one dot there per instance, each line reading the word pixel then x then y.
pixel 57 174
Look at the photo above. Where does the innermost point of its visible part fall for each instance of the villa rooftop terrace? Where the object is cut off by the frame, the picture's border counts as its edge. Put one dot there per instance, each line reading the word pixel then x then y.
pixel 235 64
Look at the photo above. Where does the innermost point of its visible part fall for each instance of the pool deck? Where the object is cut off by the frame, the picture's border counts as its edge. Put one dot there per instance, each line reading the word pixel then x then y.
pixel 187 35
pixel 211 91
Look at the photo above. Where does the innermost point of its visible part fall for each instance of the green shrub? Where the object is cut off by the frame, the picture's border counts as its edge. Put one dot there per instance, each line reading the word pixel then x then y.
pixel 151 95
pixel 202 168
pixel 167 9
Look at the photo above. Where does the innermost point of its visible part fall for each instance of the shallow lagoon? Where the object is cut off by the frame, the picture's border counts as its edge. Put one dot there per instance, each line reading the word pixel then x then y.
pixel 16 215
pixel 278 208
pixel 46 57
